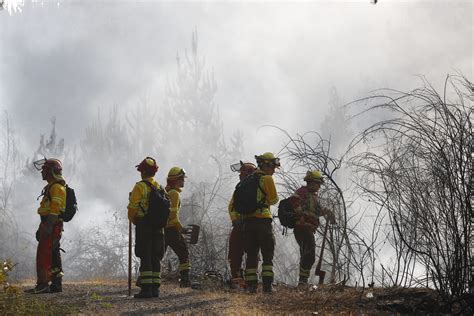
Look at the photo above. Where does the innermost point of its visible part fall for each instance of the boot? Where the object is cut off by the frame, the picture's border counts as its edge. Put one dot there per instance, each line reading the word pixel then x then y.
pixel 267 287
pixel 237 283
pixel 184 279
pixel 56 285
pixel 303 282
pixel 145 292
pixel 155 290
pixel 252 288
pixel 40 288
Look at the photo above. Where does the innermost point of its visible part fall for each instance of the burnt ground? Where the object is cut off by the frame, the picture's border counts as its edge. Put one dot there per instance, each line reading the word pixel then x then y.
pixel 110 297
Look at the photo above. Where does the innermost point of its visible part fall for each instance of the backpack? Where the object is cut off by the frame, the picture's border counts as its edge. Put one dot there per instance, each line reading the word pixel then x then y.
pixel 245 195
pixel 71 204
pixel 286 214
pixel 158 208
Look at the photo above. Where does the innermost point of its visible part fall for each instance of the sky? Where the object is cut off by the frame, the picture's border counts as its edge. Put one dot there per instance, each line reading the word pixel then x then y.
pixel 274 62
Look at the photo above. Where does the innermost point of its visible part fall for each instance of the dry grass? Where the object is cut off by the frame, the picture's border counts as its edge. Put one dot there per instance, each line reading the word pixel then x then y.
pixel 110 297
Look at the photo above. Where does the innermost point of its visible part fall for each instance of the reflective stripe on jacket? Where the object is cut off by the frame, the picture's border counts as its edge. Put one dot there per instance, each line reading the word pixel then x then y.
pixel 268 196
pixel 308 201
pixel 54 199
pixel 175 205
pixel 139 199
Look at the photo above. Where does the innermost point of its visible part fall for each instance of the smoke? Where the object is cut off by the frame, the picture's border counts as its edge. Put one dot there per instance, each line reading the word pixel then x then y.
pixel 273 64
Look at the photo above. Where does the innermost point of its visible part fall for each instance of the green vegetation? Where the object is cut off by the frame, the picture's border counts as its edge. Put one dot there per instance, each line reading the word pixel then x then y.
pixel 14 302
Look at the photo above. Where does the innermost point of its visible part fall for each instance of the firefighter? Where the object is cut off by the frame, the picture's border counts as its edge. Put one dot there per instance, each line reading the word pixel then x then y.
pixel 308 210
pixel 173 230
pixel 257 227
pixel 48 235
pixel 236 247
pixel 149 243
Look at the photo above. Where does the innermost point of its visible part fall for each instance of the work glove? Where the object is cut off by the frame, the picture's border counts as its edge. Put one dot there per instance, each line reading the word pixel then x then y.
pixel 38 235
pixel 49 225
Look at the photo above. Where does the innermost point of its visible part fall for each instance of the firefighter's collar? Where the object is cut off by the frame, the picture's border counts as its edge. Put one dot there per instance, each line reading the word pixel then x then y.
pixel 151 180
pixel 176 189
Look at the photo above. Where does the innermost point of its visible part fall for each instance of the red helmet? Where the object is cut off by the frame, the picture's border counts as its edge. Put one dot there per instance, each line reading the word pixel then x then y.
pixel 244 168
pixel 53 165
pixel 247 168
pixel 148 165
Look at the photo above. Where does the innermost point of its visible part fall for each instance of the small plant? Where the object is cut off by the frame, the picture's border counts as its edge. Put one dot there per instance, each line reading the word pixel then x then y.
pixel 96 297
pixel 7 266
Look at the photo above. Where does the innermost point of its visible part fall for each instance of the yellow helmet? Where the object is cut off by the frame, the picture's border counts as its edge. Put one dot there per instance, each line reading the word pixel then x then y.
pixel 314 175
pixel 266 158
pixel 176 173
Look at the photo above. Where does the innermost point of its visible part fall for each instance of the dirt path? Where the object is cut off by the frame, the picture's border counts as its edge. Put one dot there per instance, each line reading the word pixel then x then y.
pixel 110 298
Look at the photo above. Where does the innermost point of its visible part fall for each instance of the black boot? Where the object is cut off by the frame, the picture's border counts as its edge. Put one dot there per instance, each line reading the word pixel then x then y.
pixel 267 287
pixel 155 290
pixel 184 279
pixel 303 281
pixel 40 288
pixel 56 285
pixel 145 292
pixel 252 288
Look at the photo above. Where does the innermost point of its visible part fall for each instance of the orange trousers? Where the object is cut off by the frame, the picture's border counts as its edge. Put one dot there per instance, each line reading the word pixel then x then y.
pixel 48 256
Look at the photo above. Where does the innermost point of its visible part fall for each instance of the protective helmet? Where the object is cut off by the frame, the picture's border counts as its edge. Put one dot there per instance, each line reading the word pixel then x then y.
pixel 314 175
pixel 237 167
pixel 148 165
pixel 245 168
pixel 268 158
pixel 176 173
pixel 52 166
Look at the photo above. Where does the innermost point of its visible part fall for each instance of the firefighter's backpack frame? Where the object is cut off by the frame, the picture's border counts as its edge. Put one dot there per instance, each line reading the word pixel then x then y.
pixel 71 204
pixel 245 195
pixel 158 207
pixel 286 214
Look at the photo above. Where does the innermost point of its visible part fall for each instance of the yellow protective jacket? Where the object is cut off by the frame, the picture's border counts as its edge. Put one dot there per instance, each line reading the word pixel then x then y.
pixel 175 205
pixel 54 199
pixel 139 199
pixel 268 196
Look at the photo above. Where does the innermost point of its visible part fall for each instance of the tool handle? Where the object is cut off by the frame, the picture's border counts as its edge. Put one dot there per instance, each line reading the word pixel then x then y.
pixel 129 258
pixel 318 267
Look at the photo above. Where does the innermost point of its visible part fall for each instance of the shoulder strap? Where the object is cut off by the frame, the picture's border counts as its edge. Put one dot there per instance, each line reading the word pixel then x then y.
pixel 44 191
pixel 151 186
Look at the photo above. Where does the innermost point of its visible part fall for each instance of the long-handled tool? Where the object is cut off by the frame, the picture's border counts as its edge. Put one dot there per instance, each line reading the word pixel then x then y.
pixel 318 270
pixel 129 258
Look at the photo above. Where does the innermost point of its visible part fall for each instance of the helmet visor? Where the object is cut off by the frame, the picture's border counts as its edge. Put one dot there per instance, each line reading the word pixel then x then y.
pixel 236 167
pixel 276 162
pixel 38 164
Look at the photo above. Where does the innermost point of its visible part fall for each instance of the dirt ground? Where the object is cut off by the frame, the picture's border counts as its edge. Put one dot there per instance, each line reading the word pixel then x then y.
pixel 110 297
